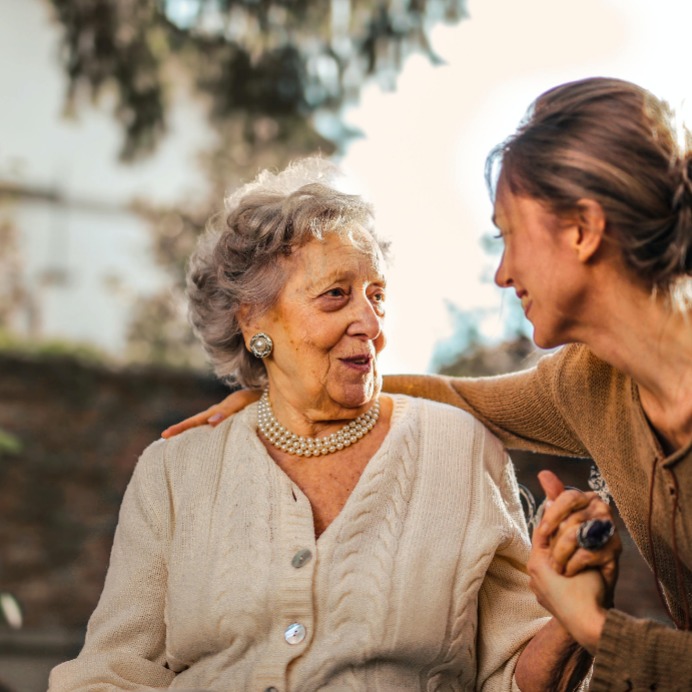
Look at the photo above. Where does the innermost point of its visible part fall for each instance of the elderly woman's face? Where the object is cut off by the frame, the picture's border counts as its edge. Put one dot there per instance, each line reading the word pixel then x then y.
pixel 327 327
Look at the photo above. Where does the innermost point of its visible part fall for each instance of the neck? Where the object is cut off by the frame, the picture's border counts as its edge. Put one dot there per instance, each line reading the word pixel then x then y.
pixel 652 343
pixel 287 441
pixel 314 412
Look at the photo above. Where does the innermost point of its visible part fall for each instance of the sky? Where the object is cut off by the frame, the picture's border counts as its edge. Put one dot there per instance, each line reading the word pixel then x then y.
pixel 420 160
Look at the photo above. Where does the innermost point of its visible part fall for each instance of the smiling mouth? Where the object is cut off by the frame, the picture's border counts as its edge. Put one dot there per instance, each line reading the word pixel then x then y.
pixel 358 361
pixel 525 302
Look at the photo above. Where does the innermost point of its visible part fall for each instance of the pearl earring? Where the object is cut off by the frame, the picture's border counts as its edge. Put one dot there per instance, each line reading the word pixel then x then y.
pixel 261 345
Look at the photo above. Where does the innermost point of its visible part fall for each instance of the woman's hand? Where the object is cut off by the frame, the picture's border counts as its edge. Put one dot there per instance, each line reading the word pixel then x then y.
pixel 576 602
pixel 565 511
pixel 574 584
pixel 217 413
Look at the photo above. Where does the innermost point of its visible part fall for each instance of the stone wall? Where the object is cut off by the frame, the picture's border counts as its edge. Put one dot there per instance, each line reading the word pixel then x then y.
pixel 80 428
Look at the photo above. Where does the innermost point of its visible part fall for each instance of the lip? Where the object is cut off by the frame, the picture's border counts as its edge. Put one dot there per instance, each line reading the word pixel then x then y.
pixel 525 301
pixel 360 363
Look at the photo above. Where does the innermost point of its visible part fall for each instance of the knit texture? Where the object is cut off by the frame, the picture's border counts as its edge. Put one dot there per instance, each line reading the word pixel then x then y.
pixel 418 584
pixel 574 403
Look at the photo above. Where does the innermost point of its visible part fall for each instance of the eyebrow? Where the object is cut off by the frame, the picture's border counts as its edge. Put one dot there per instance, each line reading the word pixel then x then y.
pixel 340 275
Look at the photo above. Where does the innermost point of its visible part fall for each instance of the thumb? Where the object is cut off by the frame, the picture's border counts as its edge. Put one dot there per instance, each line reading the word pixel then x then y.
pixel 551 484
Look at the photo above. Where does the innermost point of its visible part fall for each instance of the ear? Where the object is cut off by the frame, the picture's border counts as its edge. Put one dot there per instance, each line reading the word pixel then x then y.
pixel 590 228
pixel 246 323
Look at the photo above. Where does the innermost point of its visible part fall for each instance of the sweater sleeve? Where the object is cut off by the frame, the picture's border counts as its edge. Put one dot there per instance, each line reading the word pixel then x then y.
pixel 636 654
pixel 524 409
pixel 125 641
pixel 509 615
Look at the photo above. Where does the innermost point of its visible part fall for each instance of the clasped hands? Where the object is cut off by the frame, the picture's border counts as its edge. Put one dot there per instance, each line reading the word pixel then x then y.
pixel 573 583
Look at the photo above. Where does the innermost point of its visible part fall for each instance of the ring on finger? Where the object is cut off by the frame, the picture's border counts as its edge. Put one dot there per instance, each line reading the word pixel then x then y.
pixel 593 534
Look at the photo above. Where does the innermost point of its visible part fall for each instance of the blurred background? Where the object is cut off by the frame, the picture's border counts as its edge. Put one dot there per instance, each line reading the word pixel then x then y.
pixel 124 123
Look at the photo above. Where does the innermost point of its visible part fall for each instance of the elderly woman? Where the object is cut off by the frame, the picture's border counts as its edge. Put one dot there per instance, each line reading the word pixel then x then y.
pixel 326 537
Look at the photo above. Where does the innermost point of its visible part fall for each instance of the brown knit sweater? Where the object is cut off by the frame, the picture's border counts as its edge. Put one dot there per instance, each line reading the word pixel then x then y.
pixel 574 403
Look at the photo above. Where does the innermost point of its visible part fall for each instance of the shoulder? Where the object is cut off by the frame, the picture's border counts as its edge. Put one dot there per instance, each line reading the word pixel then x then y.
pixel 196 451
pixel 450 431
pixel 577 362
pixel 578 375
pixel 433 414
pixel 580 356
pixel 458 460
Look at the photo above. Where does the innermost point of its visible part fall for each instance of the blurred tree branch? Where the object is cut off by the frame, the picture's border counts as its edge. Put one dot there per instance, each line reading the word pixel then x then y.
pixel 269 71
pixel 276 59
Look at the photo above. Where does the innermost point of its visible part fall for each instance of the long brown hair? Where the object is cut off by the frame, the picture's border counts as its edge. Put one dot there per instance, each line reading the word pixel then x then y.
pixel 614 142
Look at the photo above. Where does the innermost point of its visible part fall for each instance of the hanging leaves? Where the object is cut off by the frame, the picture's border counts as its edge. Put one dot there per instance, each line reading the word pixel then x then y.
pixel 283 59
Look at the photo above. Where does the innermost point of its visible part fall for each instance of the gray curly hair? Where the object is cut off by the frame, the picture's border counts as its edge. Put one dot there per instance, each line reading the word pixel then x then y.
pixel 240 260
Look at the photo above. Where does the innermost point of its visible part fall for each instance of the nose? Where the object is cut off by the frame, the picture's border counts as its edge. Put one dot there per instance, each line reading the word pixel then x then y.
pixel 366 319
pixel 502 277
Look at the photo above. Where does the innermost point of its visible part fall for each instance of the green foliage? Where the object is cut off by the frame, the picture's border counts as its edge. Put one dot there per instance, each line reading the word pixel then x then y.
pixel 12 343
pixel 9 443
pixel 277 59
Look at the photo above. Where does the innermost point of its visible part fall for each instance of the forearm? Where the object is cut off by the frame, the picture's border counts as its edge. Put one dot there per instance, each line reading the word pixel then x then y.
pixel 642 654
pixel 519 408
pixel 552 660
pixel 433 387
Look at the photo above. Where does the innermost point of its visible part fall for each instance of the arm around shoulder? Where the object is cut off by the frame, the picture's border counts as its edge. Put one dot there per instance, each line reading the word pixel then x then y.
pixel 524 409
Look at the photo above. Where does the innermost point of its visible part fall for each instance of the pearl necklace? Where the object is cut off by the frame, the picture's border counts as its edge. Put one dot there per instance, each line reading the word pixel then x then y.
pixel 289 442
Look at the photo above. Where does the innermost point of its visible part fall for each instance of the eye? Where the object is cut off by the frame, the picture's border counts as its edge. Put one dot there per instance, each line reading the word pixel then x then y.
pixel 378 299
pixel 335 293
pixel 333 298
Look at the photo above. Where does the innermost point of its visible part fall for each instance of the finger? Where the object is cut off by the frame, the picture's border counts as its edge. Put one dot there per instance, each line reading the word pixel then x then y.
pixel 602 559
pixel 215 414
pixel 565 541
pixel 540 540
pixel 234 402
pixel 609 573
pixel 538 564
pixel 551 484
pixel 565 504
pixel 584 559
pixel 191 422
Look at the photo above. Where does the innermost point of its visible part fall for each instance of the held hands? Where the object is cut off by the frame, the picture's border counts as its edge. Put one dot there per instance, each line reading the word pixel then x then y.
pixel 565 511
pixel 215 414
pixel 574 584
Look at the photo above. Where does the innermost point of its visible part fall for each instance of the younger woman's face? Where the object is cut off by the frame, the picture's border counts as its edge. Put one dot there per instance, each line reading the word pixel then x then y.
pixel 540 263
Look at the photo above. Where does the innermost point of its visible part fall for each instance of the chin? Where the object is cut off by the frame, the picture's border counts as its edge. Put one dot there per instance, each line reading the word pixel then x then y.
pixel 547 341
pixel 355 396
pixel 540 342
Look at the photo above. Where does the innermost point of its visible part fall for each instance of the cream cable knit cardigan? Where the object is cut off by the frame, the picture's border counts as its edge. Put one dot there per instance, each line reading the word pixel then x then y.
pixel 418 584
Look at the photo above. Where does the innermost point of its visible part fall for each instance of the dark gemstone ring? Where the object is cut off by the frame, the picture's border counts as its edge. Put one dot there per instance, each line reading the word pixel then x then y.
pixel 594 533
